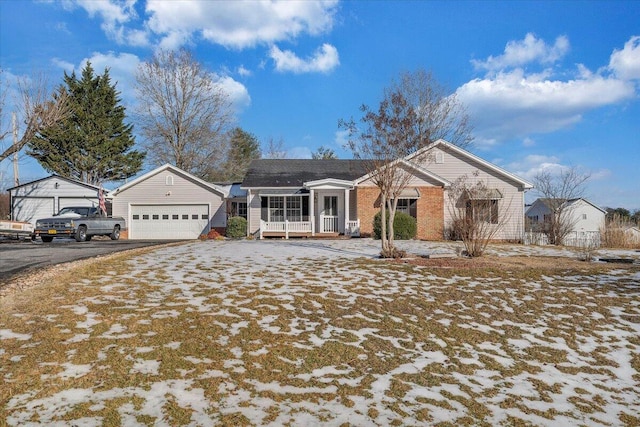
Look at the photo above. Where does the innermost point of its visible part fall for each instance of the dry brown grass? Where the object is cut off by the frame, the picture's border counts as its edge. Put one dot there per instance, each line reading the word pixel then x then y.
pixel 262 342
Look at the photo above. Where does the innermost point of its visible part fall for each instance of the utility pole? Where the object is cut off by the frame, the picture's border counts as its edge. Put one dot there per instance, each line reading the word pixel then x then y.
pixel 16 178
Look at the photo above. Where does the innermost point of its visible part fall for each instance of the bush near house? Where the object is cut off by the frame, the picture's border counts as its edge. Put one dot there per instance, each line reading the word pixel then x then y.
pixel 404 226
pixel 237 227
pixel 617 233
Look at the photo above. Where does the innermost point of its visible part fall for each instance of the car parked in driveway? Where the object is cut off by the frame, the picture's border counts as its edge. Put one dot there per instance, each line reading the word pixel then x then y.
pixel 79 222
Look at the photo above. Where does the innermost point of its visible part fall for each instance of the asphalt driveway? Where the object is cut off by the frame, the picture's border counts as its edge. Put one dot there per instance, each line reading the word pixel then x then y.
pixel 18 257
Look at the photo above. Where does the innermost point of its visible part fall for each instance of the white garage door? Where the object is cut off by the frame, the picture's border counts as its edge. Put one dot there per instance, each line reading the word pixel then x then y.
pixel 168 221
pixel 30 209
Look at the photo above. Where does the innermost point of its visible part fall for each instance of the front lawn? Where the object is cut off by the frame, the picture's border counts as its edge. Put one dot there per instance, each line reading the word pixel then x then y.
pixel 277 333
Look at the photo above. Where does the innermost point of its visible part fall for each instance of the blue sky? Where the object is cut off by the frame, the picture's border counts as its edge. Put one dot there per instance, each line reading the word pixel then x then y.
pixel 547 84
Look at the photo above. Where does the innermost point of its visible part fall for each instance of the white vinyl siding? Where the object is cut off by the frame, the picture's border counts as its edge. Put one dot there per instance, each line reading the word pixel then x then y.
pixel 158 190
pixel 45 197
pixel 510 207
pixel 63 202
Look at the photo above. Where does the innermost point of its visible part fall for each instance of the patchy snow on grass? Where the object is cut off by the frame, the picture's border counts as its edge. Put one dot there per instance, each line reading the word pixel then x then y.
pixel 323 333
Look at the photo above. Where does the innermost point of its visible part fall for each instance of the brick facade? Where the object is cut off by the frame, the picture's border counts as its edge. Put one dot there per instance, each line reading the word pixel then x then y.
pixel 430 211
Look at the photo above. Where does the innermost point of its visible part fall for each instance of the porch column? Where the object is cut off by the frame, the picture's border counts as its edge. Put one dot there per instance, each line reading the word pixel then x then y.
pixel 312 212
pixel 346 210
pixel 249 213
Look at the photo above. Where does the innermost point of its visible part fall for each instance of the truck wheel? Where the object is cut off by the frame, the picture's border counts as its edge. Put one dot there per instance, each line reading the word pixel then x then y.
pixel 81 234
pixel 47 239
pixel 116 233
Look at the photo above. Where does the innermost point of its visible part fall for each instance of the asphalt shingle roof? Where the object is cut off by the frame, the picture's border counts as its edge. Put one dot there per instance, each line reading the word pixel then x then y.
pixel 294 172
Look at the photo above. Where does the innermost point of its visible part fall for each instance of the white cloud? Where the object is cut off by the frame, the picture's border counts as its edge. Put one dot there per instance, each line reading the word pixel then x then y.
pixel 520 52
pixel 64 65
pixel 533 164
pixel 299 152
pixel 238 93
pixel 243 72
pixel 511 103
pixel 173 40
pixel 514 105
pixel 324 60
pixel 341 138
pixel 138 38
pixel 114 15
pixel 625 63
pixel 236 24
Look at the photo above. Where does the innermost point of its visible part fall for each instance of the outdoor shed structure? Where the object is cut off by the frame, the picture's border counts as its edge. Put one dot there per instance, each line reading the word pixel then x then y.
pixel 44 197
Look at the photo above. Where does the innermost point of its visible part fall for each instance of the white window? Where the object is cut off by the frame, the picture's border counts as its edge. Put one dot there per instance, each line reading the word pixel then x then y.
pixel 483 210
pixel 276 208
pixel 168 180
pixel 584 216
pixel 439 157
pixel 294 209
pixel 239 209
pixel 407 206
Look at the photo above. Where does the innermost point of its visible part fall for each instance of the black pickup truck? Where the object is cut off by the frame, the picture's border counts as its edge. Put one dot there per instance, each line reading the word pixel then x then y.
pixel 79 222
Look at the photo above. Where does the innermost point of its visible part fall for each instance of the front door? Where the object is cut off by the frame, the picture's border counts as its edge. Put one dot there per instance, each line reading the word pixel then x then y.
pixel 329 216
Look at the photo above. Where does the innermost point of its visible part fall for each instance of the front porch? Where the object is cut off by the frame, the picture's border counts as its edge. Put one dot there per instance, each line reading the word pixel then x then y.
pixel 319 209
pixel 328 228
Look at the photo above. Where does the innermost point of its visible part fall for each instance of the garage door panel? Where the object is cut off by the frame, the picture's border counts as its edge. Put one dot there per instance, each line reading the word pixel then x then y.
pixel 168 221
pixel 30 209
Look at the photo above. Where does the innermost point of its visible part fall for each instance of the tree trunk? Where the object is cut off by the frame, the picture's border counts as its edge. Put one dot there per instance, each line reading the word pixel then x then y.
pixel 393 203
pixel 383 224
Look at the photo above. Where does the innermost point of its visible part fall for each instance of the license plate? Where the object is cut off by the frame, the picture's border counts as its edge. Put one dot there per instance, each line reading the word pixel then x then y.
pixel 52 232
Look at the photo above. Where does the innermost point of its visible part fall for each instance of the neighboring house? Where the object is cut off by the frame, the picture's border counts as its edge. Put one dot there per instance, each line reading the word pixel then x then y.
pixel 45 197
pixel 169 203
pixel 633 234
pixel 330 197
pixel 583 218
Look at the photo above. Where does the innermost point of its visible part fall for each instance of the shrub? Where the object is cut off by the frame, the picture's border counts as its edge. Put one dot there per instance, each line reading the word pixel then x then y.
pixel 617 233
pixel 214 235
pixel 237 227
pixel 404 226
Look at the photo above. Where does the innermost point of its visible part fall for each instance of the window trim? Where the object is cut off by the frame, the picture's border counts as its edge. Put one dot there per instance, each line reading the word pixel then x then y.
pixel 491 216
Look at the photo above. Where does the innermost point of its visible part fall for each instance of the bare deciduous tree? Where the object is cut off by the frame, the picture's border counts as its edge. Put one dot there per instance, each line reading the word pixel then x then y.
pixel 388 136
pixel 556 190
pixel 439 113
pixel 476 213
pixel 39 109
pixel 184 113
pixel 274 149
pixel 414 112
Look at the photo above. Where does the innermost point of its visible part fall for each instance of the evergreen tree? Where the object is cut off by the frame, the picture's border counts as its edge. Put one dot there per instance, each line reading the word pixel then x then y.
pixel 243 147
pixel 93 144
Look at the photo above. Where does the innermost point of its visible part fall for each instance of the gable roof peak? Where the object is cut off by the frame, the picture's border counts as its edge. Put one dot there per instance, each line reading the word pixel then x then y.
pixel 461 151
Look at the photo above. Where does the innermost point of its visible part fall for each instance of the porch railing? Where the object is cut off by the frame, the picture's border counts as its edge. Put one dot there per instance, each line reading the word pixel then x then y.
pixel 285 227
pixel 353 228
pixel 329 224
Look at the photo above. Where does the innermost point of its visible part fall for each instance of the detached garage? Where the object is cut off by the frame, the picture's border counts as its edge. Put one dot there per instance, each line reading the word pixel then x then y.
pixel 169 203
pixel 44 197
